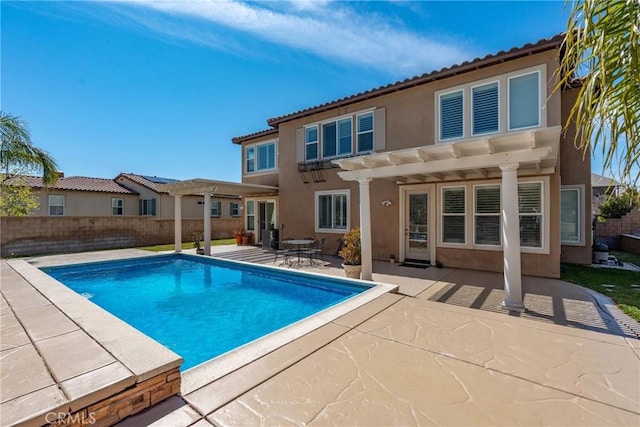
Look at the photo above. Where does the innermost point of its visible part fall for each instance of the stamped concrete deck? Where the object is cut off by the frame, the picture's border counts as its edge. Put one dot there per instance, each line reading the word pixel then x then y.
pixel 404 359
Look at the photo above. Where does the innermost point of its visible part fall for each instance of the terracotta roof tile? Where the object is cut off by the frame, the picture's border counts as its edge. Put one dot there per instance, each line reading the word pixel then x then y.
pixel 81 183
pixel 240 139
pixel 153 183
pixel 514 53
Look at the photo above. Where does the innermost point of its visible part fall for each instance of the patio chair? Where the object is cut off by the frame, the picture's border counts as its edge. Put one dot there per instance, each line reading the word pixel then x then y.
pixel 284 251
pixel 315 252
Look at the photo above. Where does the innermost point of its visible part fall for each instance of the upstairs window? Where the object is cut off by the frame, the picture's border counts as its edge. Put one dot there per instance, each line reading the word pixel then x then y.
pixel 451 115
pixel 311 143
pixel 524 101
pixel 56 205
pixel 485 109
pixel 453 215
pixel 261 157
pixel 251 159
pixel 216 209
pixel 336 138
pixel 365 132
pixel 117 206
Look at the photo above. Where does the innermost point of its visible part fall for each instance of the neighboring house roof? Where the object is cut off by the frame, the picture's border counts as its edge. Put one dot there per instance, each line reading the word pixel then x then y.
pixel 81 183
pixel 153 183
pixel 157 184
pixel 467 66
pixel 603 181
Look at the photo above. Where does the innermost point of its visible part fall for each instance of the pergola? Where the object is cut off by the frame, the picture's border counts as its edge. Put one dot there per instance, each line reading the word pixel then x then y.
pixel 207 188
pixel 506 156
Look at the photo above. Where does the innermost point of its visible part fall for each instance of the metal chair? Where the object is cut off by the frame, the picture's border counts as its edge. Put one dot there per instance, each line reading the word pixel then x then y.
pixel 283 250
pixel 315 252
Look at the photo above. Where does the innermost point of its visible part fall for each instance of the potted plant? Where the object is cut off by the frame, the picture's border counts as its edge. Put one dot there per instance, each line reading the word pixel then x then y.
pixel 239 234
pixel 351 254
pixel 247 238
pixel 197 237
pixel 392 258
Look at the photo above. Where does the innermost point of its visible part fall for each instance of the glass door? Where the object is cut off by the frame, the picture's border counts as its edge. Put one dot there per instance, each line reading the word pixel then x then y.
pixel 266 218
pixel 416 225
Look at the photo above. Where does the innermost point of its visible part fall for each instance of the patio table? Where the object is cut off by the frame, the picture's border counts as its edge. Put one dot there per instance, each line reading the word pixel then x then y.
pixel 299 245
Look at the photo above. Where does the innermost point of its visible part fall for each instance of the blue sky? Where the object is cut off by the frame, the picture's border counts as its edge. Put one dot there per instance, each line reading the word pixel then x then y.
pixel 160 88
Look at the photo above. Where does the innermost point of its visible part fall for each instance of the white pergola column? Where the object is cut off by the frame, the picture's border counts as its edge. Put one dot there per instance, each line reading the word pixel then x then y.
pixel 207 223
pixel 511 239
pixel 177 220
pixel 365 229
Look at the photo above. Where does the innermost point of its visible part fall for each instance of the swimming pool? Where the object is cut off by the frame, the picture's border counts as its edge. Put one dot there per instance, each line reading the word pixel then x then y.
pixel 200 307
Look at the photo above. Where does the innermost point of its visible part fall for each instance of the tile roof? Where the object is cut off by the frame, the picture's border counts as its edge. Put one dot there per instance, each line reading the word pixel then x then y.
pixel 153 183
pixel 240 139
pixel 477 63
pixel 81 183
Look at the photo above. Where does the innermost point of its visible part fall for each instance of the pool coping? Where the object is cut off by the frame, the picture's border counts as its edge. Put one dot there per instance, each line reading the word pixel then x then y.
pixel 145 358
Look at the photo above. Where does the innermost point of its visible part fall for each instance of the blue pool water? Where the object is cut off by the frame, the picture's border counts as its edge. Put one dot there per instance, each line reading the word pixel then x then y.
pixel 202 308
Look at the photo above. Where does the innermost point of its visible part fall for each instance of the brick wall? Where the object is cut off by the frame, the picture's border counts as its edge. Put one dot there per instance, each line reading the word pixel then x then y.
pixel 609 231
pixel 36 235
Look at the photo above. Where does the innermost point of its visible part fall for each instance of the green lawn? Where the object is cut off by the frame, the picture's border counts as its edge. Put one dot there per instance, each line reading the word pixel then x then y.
pixel 187 245
pixel 626 297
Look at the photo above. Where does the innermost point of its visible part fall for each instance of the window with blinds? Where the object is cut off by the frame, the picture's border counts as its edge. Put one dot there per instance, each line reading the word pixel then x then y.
pixel 365 132
pixel 485 109
pixel 530 209
pixel 453 215
pixel 336 138
pixel 216 209
pixel 524 101
pixel 332 211
pixel 451 115
pixel 260 157
pixel 487 215
pixel 311 143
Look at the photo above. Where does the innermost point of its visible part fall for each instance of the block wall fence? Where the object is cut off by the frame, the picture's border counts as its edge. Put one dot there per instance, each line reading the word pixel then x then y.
pixel 38 235
pixel 609 231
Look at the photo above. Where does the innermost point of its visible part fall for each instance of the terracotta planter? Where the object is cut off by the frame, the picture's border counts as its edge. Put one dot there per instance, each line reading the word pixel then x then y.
pixel 352 271
pixel 238 239
pixel 246 240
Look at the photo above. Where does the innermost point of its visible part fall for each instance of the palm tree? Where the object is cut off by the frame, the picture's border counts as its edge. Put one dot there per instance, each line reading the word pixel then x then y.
pixel 17 153
pixel 602 44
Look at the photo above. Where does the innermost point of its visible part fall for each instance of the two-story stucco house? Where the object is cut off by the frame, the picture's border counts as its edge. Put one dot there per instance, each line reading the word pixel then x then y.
pixel 467 166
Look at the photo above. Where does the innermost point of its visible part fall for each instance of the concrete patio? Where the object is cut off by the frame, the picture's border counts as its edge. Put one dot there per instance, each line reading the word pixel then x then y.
pixel 422 356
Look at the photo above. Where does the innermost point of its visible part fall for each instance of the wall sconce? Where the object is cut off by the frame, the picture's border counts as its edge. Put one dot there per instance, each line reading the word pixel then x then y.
pixel 386 203
pixel 241 208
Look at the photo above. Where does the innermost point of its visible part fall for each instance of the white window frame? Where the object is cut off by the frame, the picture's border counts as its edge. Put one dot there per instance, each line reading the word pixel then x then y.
pixel 253 203
pixel 332 193
pixel 358 133
pixel 580 215
pixel 540 100
pixel 149 202
pixel 439 115
pixel 256 161
pixel 476 214
pixel 316 142
pixel 464 215
pixel 113 206
pixel 337 141
pixel 484 83
pixel 469 226
pixel 503 103
pixel 54 197
pixel 541 214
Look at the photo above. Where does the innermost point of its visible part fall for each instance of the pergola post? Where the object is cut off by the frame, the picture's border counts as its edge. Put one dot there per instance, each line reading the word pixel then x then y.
pixel 177 220
pixel 365 229
pixel 511 239
pixel 207 223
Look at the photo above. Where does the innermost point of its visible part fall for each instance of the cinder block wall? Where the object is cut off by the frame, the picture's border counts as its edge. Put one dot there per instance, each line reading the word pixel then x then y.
pixel 36 235
pixel 609 232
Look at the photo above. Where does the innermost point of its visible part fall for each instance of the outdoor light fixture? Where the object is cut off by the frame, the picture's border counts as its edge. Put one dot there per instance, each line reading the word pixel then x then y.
pixel 386 203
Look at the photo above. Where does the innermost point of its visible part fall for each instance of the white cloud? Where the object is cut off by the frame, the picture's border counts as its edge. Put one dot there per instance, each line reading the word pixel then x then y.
pixel 331 30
